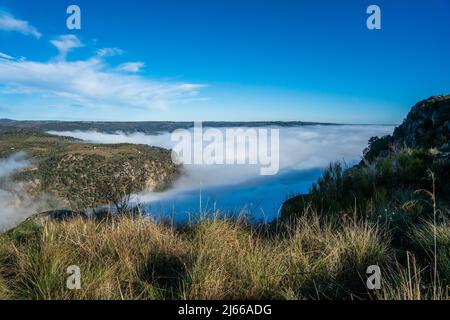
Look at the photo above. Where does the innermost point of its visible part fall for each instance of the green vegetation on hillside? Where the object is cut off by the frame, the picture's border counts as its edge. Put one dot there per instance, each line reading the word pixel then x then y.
pixel 394 182
pixel 86 175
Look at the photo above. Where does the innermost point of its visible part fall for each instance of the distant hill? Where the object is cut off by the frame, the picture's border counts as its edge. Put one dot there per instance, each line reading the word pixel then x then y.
pixel 148 127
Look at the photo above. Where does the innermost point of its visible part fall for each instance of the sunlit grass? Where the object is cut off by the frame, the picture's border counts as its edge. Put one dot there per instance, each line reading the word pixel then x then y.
pixel 137 258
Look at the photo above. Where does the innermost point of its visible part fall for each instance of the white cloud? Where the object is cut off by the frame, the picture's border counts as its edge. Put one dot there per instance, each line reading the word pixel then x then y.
pixel 109 52
pixel 90 82
pixel 5 56
pixel 65 43
pixel 9 23
pixel 132 67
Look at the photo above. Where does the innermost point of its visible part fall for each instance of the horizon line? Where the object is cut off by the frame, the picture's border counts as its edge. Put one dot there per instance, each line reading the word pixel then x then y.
pixel 206 121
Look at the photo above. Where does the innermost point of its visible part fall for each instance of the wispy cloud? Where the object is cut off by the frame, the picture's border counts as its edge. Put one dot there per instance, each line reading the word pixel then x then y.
pixel 90 82
pixel 109 52
pixel 5 56
pixel 9 23
pixel 65 43
pixel 132 67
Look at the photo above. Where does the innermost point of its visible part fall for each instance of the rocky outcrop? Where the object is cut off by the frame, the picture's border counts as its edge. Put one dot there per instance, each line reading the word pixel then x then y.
pixel 426 126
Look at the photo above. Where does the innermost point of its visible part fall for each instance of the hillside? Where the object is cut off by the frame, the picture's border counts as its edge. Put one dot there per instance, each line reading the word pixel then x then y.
pixel 88 175
pixel 393 167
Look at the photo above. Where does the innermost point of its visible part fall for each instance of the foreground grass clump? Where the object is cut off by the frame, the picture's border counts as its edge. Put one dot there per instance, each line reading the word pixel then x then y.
pixel 118 259
pixel 136 258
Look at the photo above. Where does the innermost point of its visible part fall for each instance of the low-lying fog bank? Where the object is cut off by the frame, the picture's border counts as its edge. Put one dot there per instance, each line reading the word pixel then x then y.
pixel 301 148
pixel 15 203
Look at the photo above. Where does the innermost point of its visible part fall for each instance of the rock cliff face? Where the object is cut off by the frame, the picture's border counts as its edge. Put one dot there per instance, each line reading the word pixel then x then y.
pixel 426 126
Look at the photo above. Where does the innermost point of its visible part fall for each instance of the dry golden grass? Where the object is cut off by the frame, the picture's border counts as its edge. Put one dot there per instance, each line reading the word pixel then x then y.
pixel 116 258
pixel 408 283
pixel 230 261
pixel 136 258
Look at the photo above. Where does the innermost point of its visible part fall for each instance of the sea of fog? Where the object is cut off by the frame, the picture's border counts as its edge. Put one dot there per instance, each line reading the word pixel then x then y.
pixel 240 189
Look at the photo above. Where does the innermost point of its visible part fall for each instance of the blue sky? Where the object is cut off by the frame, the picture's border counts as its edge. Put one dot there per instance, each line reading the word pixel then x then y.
pixel 221 60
